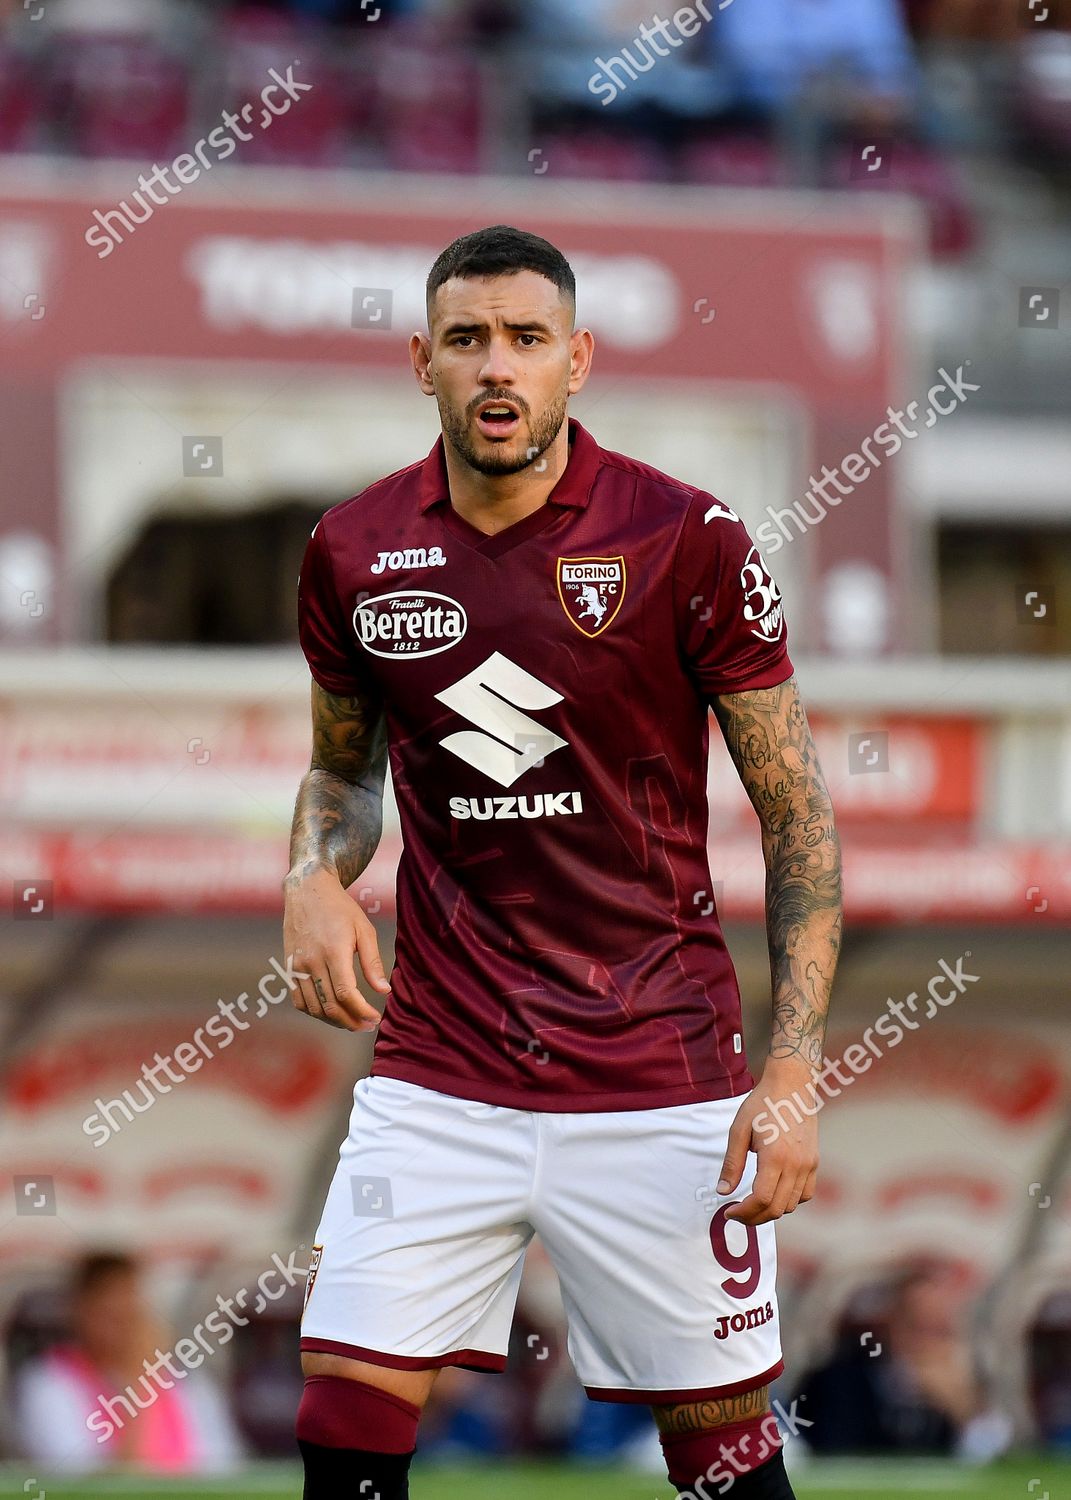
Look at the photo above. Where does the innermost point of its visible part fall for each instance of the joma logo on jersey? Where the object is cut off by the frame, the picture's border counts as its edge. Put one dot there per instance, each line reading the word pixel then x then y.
pixel 412 557
pixel 506 742
pixel 591 590
pixel 751 1317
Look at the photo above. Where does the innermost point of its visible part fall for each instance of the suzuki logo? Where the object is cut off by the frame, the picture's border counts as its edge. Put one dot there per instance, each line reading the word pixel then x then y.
pixel 508 742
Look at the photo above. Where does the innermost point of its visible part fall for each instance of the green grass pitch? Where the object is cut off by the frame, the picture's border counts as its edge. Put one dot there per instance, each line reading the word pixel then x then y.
pixel 1021 1479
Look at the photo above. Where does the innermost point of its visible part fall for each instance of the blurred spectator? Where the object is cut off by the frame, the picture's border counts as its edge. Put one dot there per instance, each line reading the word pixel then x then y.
pixel 657 86
pixel 367 11
pixel 1049 1345
pixel 777 49
pixel 910 1387
pixel 989 20
pixel 184 1430
pixel 817 69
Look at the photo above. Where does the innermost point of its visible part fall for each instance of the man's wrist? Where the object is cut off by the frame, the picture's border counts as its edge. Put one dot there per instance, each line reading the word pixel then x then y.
pixel 303 869
pixel 792 1067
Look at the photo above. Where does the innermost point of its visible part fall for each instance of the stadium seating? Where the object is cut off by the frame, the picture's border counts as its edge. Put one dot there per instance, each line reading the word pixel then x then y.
pixel 117 95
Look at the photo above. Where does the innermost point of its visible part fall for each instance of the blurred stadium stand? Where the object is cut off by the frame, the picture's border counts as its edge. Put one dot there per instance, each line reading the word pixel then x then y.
pixel 153 719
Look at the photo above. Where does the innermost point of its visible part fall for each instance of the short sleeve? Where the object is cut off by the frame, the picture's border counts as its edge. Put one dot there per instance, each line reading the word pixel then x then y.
pixel 731 623
pixel 325 635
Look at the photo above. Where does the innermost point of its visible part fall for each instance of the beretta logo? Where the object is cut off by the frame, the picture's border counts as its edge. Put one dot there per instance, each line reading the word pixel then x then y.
pixel 591 590
pixel 409 622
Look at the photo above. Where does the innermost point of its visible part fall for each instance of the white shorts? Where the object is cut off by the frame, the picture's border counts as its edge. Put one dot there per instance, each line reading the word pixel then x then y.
pixel 420 1248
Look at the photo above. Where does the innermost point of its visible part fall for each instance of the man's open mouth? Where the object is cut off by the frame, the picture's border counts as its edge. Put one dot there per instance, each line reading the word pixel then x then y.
pixel 498 419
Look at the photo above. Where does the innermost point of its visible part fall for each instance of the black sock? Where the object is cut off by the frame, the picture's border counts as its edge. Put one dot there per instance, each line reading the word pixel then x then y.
pixel 340 1473
pixel 768 1482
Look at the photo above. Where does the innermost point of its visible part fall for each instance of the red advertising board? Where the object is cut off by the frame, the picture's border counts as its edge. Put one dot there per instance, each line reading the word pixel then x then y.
pixel 803 290
pixel 187 809
pixel 891 770
pixel 151 870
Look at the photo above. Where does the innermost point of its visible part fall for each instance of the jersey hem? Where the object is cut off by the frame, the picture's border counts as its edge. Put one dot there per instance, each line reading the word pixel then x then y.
pixel 768 677
pixel 338 687
pixel 529 1099
pixel 700 1393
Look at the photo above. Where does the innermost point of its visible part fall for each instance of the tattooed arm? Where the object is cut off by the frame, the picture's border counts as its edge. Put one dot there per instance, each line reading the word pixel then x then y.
pixel 770 742
pixel 337 825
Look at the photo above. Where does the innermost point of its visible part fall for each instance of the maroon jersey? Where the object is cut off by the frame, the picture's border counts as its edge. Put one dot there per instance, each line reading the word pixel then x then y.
pixel 546 698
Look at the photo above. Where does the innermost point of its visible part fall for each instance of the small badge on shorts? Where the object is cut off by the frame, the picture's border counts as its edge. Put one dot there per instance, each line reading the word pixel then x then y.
pixel 314 1266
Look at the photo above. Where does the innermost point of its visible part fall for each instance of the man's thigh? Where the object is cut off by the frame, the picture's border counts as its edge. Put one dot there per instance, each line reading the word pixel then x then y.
pixel 419 1251
pixel 668 1301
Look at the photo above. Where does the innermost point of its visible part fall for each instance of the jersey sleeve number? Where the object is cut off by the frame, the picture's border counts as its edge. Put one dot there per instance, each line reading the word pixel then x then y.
pixel 762 593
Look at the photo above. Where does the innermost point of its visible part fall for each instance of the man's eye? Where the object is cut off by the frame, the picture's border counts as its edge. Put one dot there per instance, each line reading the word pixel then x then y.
pixel 534 338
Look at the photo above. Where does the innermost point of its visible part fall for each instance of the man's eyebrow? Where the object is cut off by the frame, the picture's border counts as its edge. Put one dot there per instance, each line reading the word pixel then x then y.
pixel 531 325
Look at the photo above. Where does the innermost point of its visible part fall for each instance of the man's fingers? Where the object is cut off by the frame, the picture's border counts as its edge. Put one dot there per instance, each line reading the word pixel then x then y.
pixel 359 1015
pixel 754 1208
pixel 327 1006
pixel 299 978
pixel 775 1192
pixel 320 1001
pixel 795 1197
pixel 736 1150
pixel 368 954
pixel 314 993
pixel 745 1212
pixel 325 987
pixel 304 996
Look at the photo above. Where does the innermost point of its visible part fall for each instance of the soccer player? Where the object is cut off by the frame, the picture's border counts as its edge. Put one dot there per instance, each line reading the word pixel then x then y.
pixel 533 629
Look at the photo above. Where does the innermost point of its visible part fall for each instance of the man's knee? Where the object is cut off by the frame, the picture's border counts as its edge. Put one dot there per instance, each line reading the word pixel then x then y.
pixel 411 1385
pixel 686 1418
pixel 721 1443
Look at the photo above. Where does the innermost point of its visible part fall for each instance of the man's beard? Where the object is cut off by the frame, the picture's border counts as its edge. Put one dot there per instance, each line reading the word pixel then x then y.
pixel 498 460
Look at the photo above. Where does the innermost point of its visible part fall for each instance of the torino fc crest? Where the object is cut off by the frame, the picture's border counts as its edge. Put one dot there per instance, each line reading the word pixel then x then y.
pixel 591 590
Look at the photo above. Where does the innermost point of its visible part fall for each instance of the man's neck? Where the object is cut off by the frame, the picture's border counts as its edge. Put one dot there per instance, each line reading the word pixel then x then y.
pixel 491 502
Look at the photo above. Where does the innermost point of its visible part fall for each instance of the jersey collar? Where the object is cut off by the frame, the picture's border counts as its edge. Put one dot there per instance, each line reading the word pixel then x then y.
pixel 573 488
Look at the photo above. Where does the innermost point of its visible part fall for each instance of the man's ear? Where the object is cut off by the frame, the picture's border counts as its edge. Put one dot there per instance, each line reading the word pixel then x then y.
pixel 420 358
pixel 582 352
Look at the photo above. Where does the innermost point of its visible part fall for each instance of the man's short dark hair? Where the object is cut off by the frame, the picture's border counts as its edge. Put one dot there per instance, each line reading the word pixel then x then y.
pixel 501 250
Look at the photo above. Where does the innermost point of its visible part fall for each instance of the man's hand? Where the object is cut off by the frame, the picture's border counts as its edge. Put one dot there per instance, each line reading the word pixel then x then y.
pixel 788 1157
pixel 322 929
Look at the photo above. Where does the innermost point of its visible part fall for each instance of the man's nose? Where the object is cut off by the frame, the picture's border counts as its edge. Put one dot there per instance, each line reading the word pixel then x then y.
pixel 497 368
